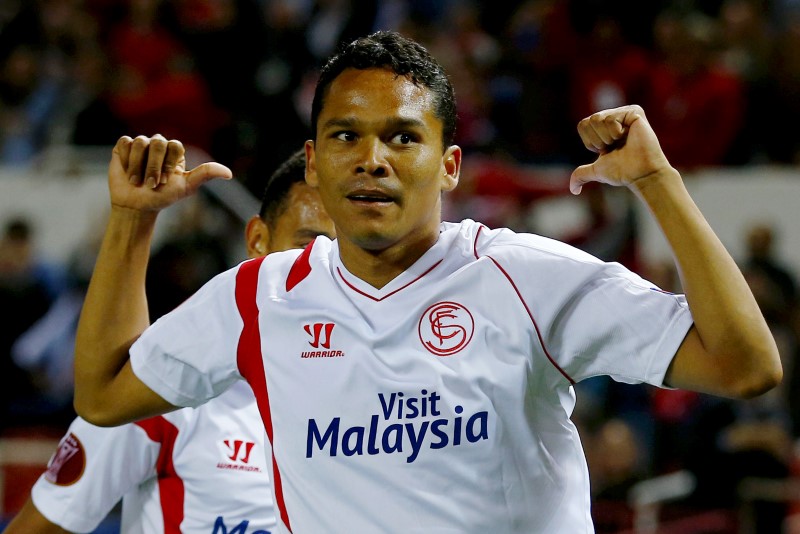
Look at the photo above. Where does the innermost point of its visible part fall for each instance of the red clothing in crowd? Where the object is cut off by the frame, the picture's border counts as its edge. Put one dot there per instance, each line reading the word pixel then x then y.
pixel 696 117
pixel 157 90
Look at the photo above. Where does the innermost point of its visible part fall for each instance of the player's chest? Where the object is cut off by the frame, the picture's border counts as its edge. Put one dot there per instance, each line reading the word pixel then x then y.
pixel 427 352
pixel 455 322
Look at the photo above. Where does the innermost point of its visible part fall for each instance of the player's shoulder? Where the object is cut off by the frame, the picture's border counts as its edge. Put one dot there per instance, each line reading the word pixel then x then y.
pixel 507 244
pixel 281 272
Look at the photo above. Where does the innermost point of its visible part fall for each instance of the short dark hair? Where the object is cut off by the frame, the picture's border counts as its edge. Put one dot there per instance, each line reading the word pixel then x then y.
pixel 290 172
pixel 404 57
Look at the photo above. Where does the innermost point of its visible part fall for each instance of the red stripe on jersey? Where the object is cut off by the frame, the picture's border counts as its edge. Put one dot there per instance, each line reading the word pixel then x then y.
pixel 300 268
pixel 535 326
pixel 386 296
pixel 170 484
pixel 475 242
pixel 251 363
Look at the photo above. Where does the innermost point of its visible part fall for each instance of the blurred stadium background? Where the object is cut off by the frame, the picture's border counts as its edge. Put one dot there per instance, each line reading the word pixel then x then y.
pixel 719 81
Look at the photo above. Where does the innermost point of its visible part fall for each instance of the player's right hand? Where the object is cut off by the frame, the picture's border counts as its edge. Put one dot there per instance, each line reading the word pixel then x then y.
pixel 149 173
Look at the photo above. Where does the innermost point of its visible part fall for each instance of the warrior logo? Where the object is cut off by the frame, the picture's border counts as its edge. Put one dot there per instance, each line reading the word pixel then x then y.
pixel 67 464
pixel 316 330
pixel 320 334
pixel 445 328
pixel 238 452
pixel 240 449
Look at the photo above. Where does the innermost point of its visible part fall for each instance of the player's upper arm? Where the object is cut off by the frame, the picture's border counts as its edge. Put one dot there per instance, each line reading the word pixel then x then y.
pixel 728 375
pixel 124 400
pixel 30 520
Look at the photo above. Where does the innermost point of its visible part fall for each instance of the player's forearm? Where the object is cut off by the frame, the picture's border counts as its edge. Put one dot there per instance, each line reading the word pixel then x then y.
pixel 115 309
pixel 727 318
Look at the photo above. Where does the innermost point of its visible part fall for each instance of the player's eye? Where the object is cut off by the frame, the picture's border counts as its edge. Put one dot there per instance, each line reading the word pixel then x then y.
pixel 403 138
pixel 345 136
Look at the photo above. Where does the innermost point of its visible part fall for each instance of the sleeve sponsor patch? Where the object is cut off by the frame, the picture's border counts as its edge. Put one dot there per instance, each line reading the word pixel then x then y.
pixel 67 464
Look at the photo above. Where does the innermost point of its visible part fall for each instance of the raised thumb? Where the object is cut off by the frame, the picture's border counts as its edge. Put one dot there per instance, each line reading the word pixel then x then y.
pixel 208 171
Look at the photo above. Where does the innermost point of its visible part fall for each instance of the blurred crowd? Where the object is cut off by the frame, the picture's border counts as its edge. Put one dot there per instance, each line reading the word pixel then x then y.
pixel 234 79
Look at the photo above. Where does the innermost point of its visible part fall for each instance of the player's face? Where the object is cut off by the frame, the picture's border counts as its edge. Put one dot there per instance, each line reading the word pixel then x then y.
pixel 303 219
pixel 379 163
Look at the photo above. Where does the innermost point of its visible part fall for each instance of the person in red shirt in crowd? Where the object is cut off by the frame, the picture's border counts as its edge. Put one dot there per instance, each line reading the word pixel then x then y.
pixel 694 106
pixel 610 71
pixel 156 74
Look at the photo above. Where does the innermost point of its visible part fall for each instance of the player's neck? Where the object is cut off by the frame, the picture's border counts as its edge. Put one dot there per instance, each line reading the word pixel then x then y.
pixel 379 267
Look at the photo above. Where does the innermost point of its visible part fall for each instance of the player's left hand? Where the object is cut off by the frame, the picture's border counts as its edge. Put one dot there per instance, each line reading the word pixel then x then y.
pixel 628 148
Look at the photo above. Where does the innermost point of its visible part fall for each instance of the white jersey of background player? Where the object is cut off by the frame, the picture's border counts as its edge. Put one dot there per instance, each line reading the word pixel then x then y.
pixel 192 470
pixel 415 376
pixel 196 470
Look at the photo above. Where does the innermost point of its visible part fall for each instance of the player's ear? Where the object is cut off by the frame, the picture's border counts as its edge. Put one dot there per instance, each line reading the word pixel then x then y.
pixel 256 235
pixel 311 164
pixel 451 166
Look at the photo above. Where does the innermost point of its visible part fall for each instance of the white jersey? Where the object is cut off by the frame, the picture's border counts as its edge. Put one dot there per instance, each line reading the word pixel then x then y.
pixel 439 403
pixel 196 470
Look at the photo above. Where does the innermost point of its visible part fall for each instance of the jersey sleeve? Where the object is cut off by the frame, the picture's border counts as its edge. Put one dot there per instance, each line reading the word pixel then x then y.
pixel 188 356
pixel 91 471
pixel 596 318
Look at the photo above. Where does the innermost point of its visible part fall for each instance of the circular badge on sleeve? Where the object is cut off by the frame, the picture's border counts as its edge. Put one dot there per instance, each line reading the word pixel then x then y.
pixel 67 464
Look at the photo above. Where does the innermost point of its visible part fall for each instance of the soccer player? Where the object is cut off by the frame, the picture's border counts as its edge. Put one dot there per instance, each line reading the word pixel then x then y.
pixel 196 470
pixel 415 375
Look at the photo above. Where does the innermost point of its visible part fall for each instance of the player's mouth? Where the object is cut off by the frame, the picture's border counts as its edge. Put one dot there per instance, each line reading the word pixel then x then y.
pixel 371 197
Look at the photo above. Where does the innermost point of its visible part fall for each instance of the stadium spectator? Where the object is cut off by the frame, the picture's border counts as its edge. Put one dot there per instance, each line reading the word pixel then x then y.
pixel 695 106
pixel 27 288
pixel 154 75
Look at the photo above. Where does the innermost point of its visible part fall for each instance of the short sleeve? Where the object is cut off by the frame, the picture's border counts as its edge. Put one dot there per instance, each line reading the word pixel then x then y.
pixel 620 325
pixel 90 471
pixel 188 356
pixel 596 318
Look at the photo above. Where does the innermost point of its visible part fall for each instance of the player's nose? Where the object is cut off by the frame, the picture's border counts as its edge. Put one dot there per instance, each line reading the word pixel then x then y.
pixel 372 158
